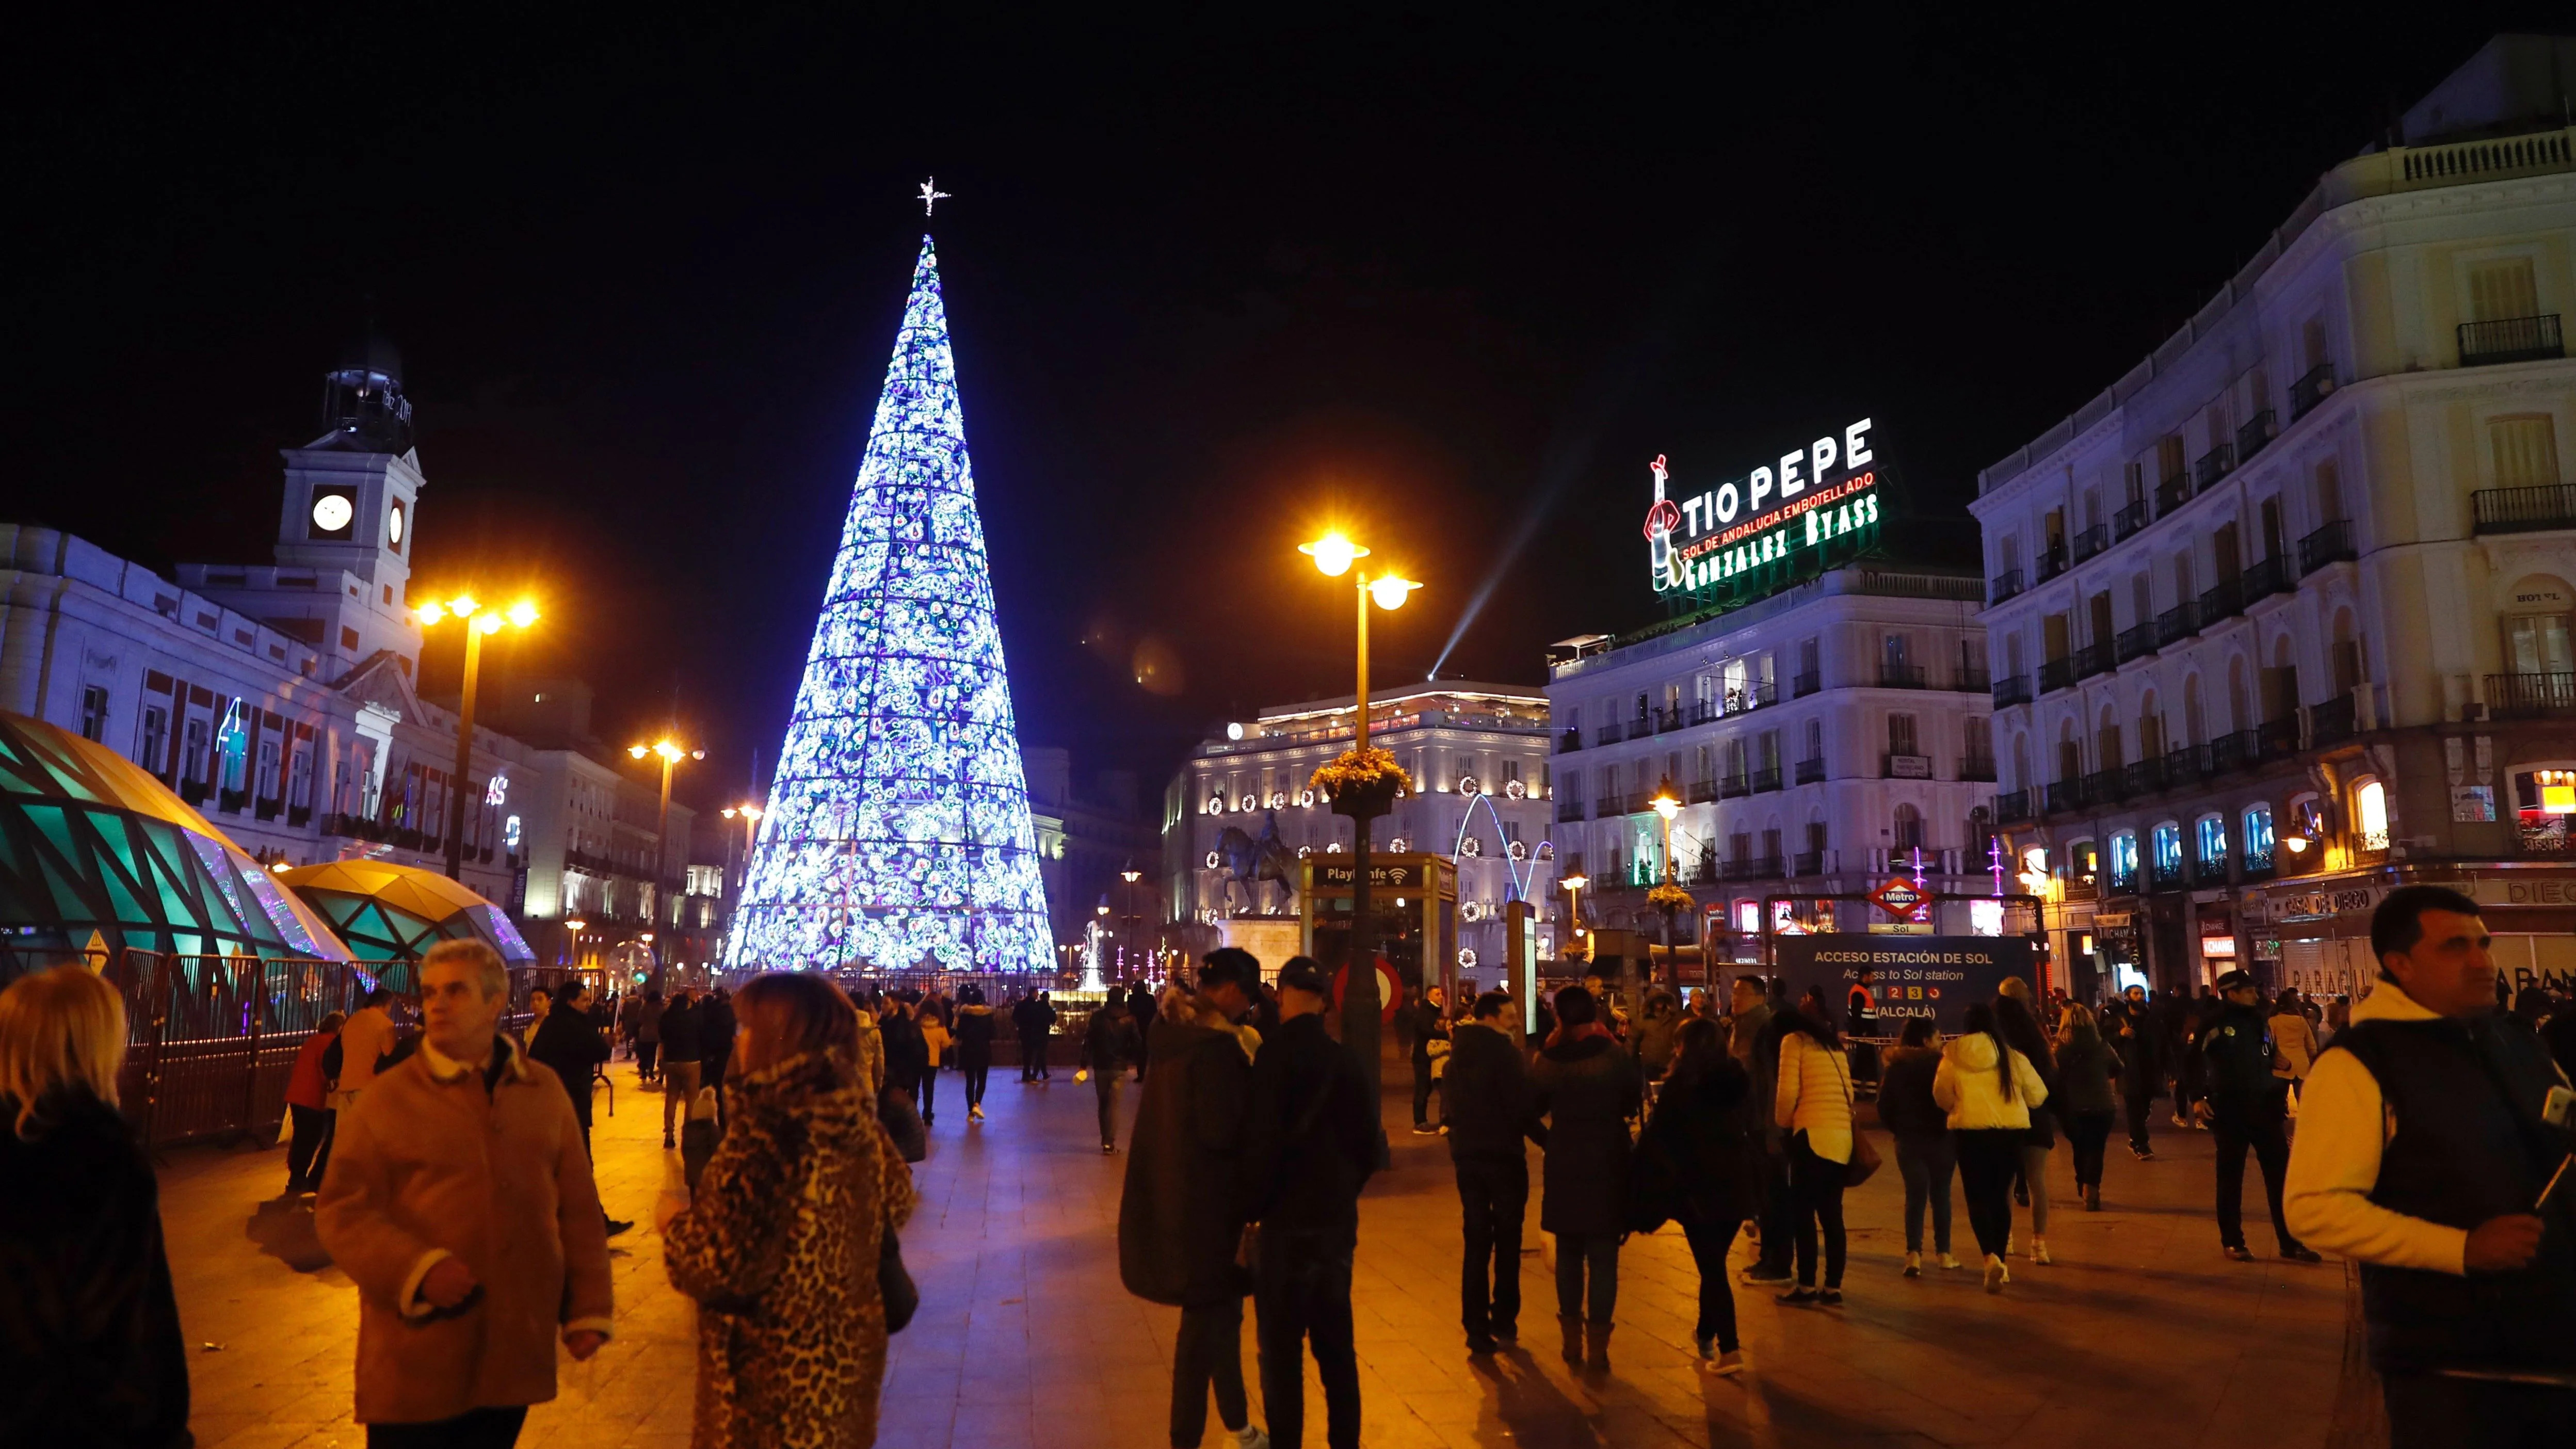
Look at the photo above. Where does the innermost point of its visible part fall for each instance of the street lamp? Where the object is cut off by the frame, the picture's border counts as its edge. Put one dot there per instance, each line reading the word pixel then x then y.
pixel 1334 554
pixel 1131 875
pixel 1574 885
pixel 478 621
pixel 1667 804
pixel 671 755
pixel 749 815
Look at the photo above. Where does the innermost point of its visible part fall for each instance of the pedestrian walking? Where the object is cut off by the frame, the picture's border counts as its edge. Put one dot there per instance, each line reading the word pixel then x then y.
pixel 1034 1019
pixel 1988 1089
pixel 1927 1153
pixel 1754 1041
pixel 1181 1211
pixel 89 1326
pixel 1697 1133
pixel 2086 1067
pixel 308 1108
pixel 907 1050
pixel 782 1245
pixel 630 1015
pixel 2141 1049
pixel 2427 1148
pixel 571 1047
pixel 932 1018
pixel 975 1024
pixel 1141 1011
pixel 648 1038
pixel 679 1057
pixel 1488 1106
pixel 2014 1018
pixel 716 1031
pixel 1658 1030
pixel 2247 1110
pixel 1587 1088
pixel 1429 1029
pixel 1108 1044
pixel 2294 1043
pixel 1860 1004
pixel 1310 1144
pixel 1813 1106
pixel 368 1038
pixel 461 1204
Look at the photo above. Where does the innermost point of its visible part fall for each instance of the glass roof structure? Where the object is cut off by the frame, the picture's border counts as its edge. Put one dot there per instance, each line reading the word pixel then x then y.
pixel 389 912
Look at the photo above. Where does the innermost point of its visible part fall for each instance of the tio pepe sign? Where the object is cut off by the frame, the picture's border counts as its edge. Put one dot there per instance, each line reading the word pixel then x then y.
pixel 1730 537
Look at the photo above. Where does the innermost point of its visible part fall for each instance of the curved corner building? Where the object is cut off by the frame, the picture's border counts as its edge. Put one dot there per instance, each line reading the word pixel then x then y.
pixel 898 831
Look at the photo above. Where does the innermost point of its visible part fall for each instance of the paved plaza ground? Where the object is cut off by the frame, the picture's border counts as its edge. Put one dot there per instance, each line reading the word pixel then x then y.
pixel 2140 1334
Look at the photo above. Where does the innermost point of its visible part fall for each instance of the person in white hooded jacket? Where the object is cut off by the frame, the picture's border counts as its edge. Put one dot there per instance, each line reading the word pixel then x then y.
pixel 1988 1089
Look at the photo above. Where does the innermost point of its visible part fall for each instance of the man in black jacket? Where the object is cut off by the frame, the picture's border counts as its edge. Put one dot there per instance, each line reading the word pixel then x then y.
pixel 1430 1024
pixel 1487 1101
pixel 1309 1146
pixel 679 1058
pixel 2140 1046
pixel 568 1043
pixel 716 1027
pixel 2247 1108
pixel 1109 1042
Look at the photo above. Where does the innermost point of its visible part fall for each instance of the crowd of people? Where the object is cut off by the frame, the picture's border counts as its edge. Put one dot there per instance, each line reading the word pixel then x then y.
pixel 2422 1132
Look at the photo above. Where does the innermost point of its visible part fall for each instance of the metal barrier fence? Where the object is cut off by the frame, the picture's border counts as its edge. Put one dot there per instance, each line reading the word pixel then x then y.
pixel 211 1040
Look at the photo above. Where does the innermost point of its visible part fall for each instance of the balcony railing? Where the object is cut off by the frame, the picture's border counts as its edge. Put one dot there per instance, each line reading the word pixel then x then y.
pixel 1900 676
pixel 2177 624
pixel 2052 560
pixel 2278 737
pixel 2530 696
pixel 2185 764
pixel 2146 776
pixel 2524 510
pixel 2165 876
pixel 2056 674
pixel 1642 727
pixel 1969 679
pixel 2128 520
pixel 1755 696
pixel 2136 643
pixel 1806 684
pixel 2003 586
pixel 2209 872
pixel 1810 771
pixel 1702 711
pixel 2124 885
pixel 2012 808
pixel 1766 781
pixel 2331 543
pixel 2092 659
pixel 1734 786
pixel 2107 786
pixel 2092 541
pixel 2012 689
pixel 2251 437
pixel 2330 723
pixel 2067 795
pixel 2266 577
pixel 2225 600
pixel 1977 767
pixel 1568 810
pixel 1608 734
pixel 1700 792
pixel 2233 751
pixel 2513 339
pixel 231 801
pixel 1809 862
pixel 2211 466
pixel 1570 741
pixel 2312 388
pixel 2173 493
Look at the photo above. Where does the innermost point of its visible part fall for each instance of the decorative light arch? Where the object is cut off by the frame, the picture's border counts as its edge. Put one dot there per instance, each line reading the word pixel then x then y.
pixel 1517 870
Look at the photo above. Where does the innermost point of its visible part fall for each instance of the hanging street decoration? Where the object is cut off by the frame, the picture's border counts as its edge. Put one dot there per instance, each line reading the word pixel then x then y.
pixel 898 832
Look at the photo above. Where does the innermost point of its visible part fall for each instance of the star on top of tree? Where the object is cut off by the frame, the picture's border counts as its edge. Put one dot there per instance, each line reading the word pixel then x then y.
pixel 931 195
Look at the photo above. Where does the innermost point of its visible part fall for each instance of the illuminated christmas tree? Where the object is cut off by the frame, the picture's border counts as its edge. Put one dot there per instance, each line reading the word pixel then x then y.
pixel 898 830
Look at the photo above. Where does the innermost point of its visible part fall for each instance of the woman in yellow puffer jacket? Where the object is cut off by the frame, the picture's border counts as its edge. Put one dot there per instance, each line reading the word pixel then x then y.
pixel 1813 1107
pixel 1988 1089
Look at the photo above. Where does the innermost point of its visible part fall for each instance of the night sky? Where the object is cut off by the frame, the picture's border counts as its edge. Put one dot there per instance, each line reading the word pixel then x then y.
pixel 1453 281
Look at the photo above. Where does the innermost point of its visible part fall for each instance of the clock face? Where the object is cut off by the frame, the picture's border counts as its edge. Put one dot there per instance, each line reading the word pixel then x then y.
pixel 332 512
pixel 394 523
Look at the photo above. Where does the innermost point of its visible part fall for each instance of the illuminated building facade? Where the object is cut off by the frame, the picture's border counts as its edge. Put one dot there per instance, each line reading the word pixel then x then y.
pixel 2282 618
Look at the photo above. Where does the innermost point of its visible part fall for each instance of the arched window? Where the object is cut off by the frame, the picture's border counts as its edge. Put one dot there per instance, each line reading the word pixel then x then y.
pixel 1909 827
pixel 2124 860
pixel 2167 861
pixel 2210 839
pixel 2258 836
pixel 2370 814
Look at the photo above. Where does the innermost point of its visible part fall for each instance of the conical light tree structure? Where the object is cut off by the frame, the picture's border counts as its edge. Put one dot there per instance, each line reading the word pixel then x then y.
pixel 898 832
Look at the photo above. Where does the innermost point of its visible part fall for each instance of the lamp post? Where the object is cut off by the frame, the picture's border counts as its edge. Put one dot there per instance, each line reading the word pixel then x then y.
pixel 671 755
pixel 576 926
pixel 478 621
pixel 1334 554
pixel 1130 875
pixel 1667 804
pixel 749 815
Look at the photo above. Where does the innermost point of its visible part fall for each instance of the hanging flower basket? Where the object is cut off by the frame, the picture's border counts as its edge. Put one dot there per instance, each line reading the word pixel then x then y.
pixel 1362 783
pixel 1670 897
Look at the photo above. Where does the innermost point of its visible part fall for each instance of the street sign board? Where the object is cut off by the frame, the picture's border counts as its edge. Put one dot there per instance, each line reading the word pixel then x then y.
pixel 1904 899
pixel 1935 976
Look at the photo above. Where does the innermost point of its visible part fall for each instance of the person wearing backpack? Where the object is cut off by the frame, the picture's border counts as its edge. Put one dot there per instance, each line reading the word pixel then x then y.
pixel 1309 1145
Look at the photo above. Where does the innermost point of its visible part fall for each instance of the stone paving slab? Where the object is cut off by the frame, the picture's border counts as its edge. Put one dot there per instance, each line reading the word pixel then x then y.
pixel 2139 1335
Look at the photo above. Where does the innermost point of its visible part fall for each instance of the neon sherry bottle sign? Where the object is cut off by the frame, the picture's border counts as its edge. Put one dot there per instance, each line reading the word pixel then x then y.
pixel 1744 539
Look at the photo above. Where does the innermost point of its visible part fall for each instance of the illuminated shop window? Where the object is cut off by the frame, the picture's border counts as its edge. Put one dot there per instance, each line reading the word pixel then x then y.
pixel 2168 853
pixel 2370 814
pixel 2124 861
pixel 2258 837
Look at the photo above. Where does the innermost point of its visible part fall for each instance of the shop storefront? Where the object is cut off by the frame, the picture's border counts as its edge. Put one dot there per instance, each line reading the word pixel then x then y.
pixel 2314 934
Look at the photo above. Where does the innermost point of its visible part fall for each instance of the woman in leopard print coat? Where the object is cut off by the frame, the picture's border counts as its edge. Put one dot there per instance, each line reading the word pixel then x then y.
pixel 780 1246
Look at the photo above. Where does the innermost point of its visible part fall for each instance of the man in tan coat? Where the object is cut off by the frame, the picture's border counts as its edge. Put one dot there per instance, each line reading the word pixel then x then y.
pixel 460 1201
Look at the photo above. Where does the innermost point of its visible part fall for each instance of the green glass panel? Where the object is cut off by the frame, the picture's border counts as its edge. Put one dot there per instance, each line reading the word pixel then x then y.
pixel 48 820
